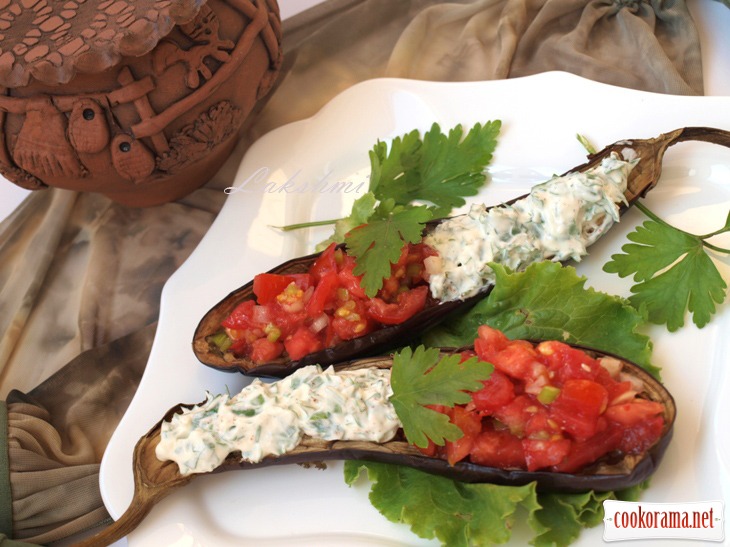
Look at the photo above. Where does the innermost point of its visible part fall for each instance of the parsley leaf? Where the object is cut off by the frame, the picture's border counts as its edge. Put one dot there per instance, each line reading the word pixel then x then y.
pixel 422 378
pixel 674 274
pixel 430 176
pixel 440 169
pixel 550 302
pixel 362 209
pixel 378 244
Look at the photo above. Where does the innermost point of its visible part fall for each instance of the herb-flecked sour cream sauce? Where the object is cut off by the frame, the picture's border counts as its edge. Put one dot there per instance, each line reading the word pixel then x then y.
pixel 271 419
pixel 556 221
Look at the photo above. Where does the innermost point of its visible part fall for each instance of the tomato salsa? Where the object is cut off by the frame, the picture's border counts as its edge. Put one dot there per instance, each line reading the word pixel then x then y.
pixel 549 407
pixel 297 314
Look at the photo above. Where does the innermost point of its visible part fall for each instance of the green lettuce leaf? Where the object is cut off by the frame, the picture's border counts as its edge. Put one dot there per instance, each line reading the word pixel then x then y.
pixel 457 514
pixel 462 514
pixel 550 302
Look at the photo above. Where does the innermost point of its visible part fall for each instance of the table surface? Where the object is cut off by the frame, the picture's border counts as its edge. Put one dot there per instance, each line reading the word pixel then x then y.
pixel 712 19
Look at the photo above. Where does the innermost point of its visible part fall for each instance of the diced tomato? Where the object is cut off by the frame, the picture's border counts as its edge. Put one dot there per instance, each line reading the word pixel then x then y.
pixel 471 425
pixel 619 392
pixel 567 361
pixel 641 436
pixel 557 418
pixel 324 264
pixel 630 414
pixel 302 280
pixel 540 425
pixel 489 341
pixel 289 322
pixel 500 449
pixel 263 350
pixel 584 396
pixel 498 391
pixel 516 414
pixel 329 299
pixel 349 280
pixel 351 322
pixel 239 346
pixel 241 317
pixel 430 449
pixel 324 293
pixel 543 453
pixel 578 407
pixel 586 452
pixel 267 286
pixel 519 361
pixel 408 304
pixel 301 343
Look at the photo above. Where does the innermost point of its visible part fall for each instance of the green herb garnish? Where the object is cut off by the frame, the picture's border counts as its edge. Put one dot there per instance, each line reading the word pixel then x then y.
pixel 414 181
pixel 421 378
pixel 673 271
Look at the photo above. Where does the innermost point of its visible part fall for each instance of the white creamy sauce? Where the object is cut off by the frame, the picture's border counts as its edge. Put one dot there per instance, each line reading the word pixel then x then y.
pixel 270 419
pixel 556 221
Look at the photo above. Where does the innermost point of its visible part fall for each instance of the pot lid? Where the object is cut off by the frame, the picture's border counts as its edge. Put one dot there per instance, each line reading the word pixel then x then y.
pixel 50 40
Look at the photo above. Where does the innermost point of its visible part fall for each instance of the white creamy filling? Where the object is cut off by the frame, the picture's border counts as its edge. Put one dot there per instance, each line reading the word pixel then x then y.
pixel 556 221
pixel 270 419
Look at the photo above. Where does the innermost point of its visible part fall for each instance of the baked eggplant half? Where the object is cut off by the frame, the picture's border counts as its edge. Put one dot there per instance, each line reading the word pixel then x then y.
pixel 215 346
pixel 614 469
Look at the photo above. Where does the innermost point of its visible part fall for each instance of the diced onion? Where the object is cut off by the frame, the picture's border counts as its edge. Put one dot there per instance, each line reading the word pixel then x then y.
pixel 261 314
pixel 433 265
pixel 612 365
pixel 636 383
pixel 625 397
pixel 319 323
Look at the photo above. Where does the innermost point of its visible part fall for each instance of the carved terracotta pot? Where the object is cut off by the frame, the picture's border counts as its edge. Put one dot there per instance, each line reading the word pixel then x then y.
pixel 141 100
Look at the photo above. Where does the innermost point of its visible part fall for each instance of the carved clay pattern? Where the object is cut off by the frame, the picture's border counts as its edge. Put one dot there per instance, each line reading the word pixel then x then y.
pixel 88 129
pixel 132 159
pixel 42 148
pixel 204 32
pixel 142 125
pixel 196 139
pixel 20 177
pixel 47 39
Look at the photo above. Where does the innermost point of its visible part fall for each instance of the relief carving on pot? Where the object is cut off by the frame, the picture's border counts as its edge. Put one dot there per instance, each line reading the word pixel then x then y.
pixel 139 100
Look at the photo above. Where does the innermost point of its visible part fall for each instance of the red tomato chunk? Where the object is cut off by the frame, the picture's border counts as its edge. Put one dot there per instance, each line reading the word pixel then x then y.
pixel 548 407
pixel 295 315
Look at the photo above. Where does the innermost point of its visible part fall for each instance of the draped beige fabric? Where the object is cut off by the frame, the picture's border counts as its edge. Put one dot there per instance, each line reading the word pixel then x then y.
pixel 81 277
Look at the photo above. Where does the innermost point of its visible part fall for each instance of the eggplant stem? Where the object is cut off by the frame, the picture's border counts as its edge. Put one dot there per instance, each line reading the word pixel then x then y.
pixel 120 528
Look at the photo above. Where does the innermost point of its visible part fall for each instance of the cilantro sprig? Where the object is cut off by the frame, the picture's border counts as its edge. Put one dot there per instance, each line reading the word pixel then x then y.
pixel 411 182
pixel 378 244
pixel 673 271
pixel 422 377
pixel 414 181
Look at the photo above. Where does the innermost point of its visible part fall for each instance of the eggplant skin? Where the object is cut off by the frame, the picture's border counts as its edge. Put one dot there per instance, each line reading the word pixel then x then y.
pixel 614 471
pixel 377 342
